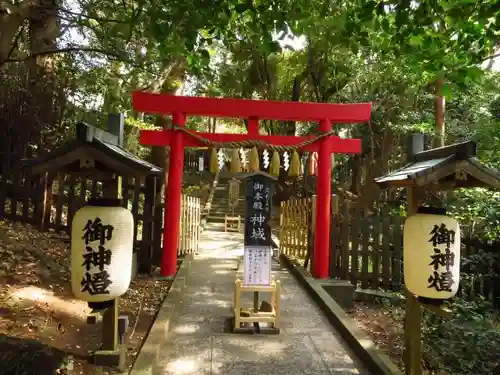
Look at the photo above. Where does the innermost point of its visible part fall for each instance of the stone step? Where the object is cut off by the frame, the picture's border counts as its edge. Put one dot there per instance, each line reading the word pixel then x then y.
pixel 223 214
pixel 226 198
pixel 226 207
pixel 226 203
pixel 219 219
pixel 215 219
pixel 215 227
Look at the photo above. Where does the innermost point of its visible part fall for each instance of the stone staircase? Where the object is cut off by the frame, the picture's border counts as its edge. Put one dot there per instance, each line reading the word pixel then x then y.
pixel 220 205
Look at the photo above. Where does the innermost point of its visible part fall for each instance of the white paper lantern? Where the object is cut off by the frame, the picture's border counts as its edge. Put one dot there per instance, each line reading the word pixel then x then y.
pixel 432 255
pixel 101 252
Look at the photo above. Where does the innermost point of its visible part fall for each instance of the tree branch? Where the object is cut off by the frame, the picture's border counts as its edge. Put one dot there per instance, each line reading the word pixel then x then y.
pixel 16 41
pixel 64 50
pixel 86 16
pixel 491 57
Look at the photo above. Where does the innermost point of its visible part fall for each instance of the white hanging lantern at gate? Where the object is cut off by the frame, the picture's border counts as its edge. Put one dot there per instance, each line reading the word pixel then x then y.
pixel 101 252
pixel 432 255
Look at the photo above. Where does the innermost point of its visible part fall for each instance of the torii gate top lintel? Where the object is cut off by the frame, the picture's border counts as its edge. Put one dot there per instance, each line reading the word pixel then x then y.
pixel 247 109
pixel 252 110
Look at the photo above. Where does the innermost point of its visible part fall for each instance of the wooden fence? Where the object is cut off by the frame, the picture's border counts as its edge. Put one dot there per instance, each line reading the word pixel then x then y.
pixel 295 227
pixel 368 251
pixel 49 203
pixel 190 225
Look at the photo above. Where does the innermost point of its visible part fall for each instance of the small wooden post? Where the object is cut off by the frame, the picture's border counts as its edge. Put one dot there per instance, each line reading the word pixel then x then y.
pixel 46 206
pixel 110 354
pixel 282 227
pixel 146 252
pixel 197 225
pixel 413 312
pixel 110 317
pixel 413 309
pixel 293 224
pixel 110 327
pixel 189 224
pixel 310 235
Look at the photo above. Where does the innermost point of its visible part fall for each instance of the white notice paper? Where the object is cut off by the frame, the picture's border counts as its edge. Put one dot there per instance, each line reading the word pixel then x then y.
pixel 201 164
pixel 257 265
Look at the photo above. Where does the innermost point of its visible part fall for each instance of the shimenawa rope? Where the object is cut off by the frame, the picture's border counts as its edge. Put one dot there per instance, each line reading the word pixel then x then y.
pixel 253 143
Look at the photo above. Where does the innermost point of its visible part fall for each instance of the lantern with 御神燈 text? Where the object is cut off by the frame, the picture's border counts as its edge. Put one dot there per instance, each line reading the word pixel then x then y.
pixel 101 252
pixel 432 255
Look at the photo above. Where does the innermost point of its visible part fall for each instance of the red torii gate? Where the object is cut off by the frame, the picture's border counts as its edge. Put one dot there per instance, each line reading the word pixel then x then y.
pixel 253 111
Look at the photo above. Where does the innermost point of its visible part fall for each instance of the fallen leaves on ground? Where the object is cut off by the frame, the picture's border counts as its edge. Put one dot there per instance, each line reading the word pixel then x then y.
pixel 43 328
pixel 384 330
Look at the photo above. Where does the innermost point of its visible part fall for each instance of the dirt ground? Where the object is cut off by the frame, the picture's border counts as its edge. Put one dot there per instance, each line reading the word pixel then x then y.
pixel 43 329
pixel 384 330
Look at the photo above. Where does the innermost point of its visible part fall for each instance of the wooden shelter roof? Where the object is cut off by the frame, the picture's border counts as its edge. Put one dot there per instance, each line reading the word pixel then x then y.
pixel 449 167
pixel 98 145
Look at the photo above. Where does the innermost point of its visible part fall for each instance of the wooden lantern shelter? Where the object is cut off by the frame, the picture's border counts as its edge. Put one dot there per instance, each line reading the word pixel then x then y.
pixel 445 168
pixel 95 165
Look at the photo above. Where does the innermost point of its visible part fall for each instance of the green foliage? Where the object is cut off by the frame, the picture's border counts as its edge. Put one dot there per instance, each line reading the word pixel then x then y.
pixel 131 136
pixel 464 344
pixel 192 190
pixel 459 345
pixel 478 209
pixel 435 38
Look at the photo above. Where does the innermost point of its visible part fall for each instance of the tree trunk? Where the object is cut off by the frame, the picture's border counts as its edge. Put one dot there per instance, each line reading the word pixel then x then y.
pixel 170 84
pixel 12 18
pixel 295 97
pixel 376 164
pixel 439 139
pixel 113 93
pixel 356 168
pixel 43 33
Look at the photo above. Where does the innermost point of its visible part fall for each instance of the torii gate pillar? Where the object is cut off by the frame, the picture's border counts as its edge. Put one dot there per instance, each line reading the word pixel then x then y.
pixel 323 191
pixel 173 192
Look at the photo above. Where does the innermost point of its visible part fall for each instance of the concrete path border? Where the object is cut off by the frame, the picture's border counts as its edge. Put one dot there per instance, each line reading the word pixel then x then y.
pixel 373 358
pixel 148 354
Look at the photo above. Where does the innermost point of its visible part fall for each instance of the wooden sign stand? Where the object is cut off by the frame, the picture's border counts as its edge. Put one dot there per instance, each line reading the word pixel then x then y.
pixel 232 223
pixel 257 260
pixel 265 319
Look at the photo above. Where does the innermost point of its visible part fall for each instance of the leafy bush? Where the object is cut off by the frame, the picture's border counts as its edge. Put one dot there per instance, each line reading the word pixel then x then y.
pixel 478 210
pixel 465 344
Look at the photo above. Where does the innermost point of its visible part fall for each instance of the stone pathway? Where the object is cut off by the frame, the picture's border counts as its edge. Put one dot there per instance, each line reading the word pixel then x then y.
pixel 197 342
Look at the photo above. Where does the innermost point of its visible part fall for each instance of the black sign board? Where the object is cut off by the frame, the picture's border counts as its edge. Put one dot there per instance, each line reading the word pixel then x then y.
pixel 258 210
